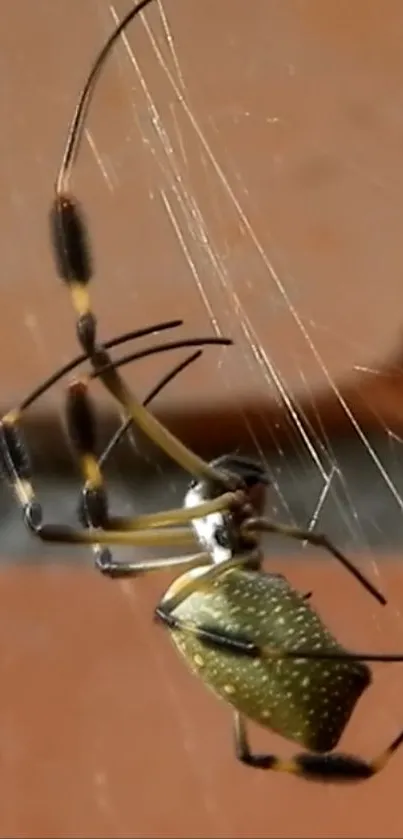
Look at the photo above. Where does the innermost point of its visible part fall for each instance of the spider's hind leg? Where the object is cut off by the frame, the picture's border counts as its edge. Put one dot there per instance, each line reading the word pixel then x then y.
pixel 332 767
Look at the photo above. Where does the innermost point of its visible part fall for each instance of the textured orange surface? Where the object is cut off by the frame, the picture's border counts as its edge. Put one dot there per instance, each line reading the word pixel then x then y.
pixel 244 173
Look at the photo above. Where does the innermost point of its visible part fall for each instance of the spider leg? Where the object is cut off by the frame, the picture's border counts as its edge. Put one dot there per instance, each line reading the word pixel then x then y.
pixel 63 534
pixel 150 425
pixel 81 428
pixel 161 384
pixel 180 515
pixel 319 540
pixel 331 768
pixel 15 462
pixel 73 260
pixel 132 569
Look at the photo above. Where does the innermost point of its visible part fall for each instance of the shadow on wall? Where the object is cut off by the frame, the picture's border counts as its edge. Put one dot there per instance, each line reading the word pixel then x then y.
pixel 349 489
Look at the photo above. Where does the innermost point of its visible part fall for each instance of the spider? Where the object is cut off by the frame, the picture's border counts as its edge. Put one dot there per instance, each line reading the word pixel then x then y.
pixel 251 637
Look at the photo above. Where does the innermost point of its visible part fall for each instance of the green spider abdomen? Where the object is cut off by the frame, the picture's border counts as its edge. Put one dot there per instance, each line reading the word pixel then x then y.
pixel 307 701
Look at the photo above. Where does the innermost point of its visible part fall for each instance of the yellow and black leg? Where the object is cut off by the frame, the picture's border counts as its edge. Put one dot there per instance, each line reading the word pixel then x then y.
pixel 68 229
pixel 15 462
pixel 14 456
pixel 154 430
pixel 16 466
pixel 149 530
pixel 94 506
pixel 69 236
pixel 254 526
pixel 74 265
pixel 144 530
pixel 133 335
pixel 99 530
pixel 263 525
pixel 127 423
pixel 326 768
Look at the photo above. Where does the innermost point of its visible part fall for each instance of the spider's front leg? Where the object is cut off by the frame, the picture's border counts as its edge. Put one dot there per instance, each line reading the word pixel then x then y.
pixel 15 463
pixel 68 228
pixel 74 264
pixel 163 529
pixel 73 259
pixel 100 529
pixel 81 427
pixel 16 466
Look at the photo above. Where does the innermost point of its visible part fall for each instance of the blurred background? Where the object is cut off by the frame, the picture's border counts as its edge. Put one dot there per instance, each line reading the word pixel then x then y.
pixel 241 170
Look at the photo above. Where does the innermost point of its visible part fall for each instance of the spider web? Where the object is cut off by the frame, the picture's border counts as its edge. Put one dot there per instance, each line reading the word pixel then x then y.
pixel 322 462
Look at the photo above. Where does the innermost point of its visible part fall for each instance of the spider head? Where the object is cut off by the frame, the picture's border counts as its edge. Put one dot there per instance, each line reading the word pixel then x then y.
pixel 220 533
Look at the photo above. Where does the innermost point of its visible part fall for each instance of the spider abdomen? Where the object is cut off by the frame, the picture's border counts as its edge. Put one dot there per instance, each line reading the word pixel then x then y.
pixel 307 701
